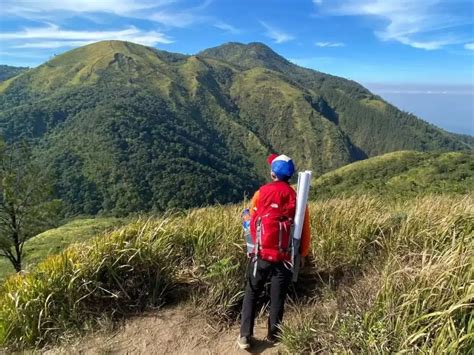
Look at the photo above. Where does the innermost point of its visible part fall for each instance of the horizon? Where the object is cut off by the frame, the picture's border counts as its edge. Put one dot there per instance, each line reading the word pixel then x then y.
pixel 379 44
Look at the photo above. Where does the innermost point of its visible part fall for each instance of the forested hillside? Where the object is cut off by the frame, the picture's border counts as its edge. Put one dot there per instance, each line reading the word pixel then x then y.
pixel 7 71
pixel 469 140
pixel 126 128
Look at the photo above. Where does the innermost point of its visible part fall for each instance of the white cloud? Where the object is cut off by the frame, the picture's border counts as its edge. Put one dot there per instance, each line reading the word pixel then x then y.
pixel 175 19
pixel 51 44
pixel 329 44
pixel 276 34
pixel 53 36
pixel 168 13
pixel 469 46
pixel 39 9
pixel 428 45
pixel 227 27
pixel 420 24
pixel 21 55
pixel 158 11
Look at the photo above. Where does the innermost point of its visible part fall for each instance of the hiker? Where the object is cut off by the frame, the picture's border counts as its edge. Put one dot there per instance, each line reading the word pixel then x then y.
pixel 272 212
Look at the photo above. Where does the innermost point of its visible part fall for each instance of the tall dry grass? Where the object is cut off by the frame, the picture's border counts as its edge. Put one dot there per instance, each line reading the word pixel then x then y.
pixel 125 270
pixel 347 232
pixel 427 299
pixel 421 250
pixel 424 251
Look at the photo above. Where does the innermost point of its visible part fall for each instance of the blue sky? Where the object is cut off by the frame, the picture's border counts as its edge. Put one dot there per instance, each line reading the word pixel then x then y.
pixel 409 42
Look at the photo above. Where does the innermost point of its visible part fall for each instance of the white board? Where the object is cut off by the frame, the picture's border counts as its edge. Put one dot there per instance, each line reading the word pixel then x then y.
pixel 302 190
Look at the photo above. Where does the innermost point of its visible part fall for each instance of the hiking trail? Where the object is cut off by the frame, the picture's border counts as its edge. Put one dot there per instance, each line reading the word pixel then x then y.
pixel 175 329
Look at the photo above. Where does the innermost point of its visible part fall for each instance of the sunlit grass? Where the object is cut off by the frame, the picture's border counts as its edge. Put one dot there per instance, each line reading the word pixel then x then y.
pixel 416 297
pixel 55 240
pixel 423 252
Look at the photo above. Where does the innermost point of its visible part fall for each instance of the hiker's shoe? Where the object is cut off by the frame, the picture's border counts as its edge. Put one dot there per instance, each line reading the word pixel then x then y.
pixel 272 338
pixel 243 343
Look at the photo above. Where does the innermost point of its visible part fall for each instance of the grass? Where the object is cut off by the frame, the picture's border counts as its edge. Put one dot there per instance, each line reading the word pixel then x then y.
pixel 286 109
pixel 82 66
pixel 124 271
pixel 55 240
pixel 400 175
pixel 374 103
pixel 384 277
pixel 418 296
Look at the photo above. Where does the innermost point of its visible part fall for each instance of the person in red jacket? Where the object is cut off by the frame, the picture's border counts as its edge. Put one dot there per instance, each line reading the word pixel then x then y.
pixel 272 212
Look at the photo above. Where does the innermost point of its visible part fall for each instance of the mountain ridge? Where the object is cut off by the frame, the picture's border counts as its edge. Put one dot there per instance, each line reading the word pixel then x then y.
pixel 126 127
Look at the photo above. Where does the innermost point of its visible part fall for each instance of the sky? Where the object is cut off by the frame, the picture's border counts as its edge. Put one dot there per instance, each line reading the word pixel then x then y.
pixel 400 49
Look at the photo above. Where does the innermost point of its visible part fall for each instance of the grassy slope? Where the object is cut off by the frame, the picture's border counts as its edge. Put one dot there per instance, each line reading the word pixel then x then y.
pixel 55 240
pixel 284 114
pixel 418 253
pixel 399 175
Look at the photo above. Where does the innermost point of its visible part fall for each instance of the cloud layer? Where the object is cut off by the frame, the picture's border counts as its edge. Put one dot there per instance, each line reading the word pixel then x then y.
pixel 41 9
pixel 423 24
pixel 165 13
pixel 52 36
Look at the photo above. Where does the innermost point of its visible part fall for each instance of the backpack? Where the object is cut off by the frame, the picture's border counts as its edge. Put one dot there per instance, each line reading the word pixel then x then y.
pixel 271 224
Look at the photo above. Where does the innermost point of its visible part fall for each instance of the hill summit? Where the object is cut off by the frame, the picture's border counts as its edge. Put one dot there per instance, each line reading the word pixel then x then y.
pixel 248 55
pixel 125 127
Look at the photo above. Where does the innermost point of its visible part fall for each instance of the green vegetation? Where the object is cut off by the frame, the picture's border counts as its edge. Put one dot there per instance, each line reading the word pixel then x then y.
pixel 56 240
pixel 410 263
pixel 414 292
pixel 27 206
pixel 400 175
pixel 126 270
pixel 125 128
pixel 7 71
pixel 370 125
pixel 469 140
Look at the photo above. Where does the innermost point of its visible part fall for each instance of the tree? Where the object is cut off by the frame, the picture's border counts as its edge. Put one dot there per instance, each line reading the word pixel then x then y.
pixel 27 206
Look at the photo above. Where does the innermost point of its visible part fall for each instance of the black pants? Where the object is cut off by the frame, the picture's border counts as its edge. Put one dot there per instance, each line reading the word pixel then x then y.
pixel 280 280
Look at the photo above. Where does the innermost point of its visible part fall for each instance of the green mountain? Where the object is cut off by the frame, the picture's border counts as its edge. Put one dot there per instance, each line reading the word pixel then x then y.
pixel 125 127
pixel 400 175
pixel 7 71
pixel 469 140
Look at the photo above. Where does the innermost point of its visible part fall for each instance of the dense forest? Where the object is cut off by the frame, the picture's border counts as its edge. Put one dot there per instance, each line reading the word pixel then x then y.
pixel 125 128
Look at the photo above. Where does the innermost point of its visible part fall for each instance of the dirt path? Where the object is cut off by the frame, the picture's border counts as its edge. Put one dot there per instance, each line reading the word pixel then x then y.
pixel 183 329
pixel 173 330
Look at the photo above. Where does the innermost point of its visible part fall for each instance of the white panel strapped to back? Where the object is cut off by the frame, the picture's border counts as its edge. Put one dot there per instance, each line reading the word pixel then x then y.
pixel 304 181
pixel 302 191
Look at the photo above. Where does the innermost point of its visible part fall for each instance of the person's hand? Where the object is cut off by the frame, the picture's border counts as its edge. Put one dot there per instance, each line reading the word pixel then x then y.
pixel 302 262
